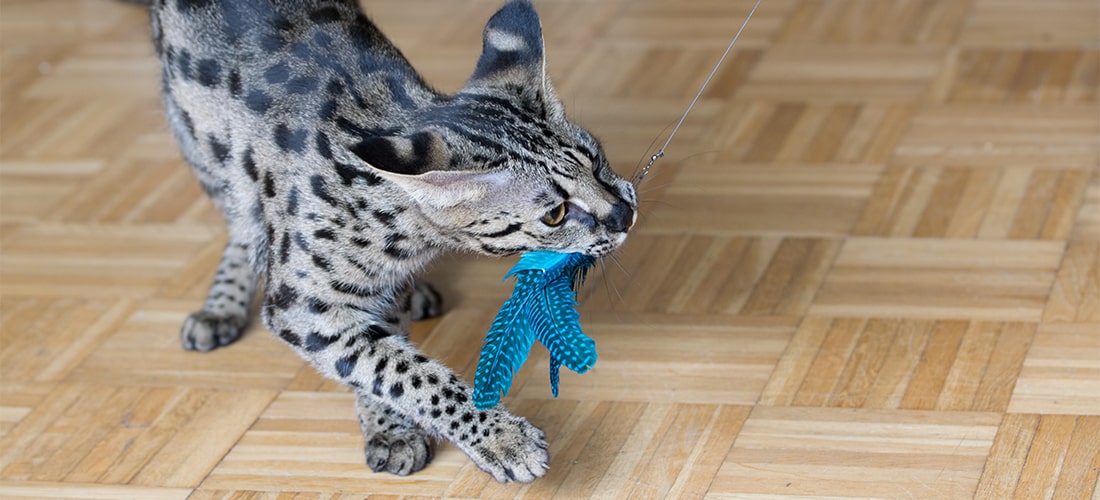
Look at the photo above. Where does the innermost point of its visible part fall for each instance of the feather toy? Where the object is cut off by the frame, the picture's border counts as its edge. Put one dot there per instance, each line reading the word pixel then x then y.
pixel 542 307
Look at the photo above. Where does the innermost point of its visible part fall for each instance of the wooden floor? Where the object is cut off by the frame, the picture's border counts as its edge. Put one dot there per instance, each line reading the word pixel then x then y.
pixel 869 267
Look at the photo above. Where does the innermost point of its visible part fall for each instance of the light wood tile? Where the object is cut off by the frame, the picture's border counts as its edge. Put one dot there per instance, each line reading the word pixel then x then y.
pixel 1061 372
pixel 936 278
pixel 860 453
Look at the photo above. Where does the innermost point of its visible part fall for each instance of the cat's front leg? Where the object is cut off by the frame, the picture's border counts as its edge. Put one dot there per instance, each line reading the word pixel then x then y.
pixel 387 371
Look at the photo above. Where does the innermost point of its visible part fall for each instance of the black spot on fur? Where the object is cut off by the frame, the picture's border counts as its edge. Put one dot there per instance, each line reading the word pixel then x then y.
pixel 316 306
pixel 460 397
pixel 292 201
pixel 416 381
pixel 420 359
pixel 397 390
pixel 322 263
pixel 401 367
pixel 386 218
pixel 290 337
pixel 187 123
pixel 218 149
pixel 315 342
pixel 392 249
pixel 187 5
pixel 334 87
pixel 290 140
pixel 277 73
pixel 183 64
pixel 209 72
pixel 301 241
pixel 433 380
pixel 346 364
pixel 249 165
pixel 284 249
pixel 323 146
pixel 284 297
pixel 375 332
pixel 349 174
pixel 272 38
pixel 301 85
pixel 320 190
pixel 359 242
pixel 269 185
pixel 325 15
pixel 351 289
pixel 328 110
pixel 235 20
pixel 258 101
pixel 301 51
pixel 436 413
pixel 324 234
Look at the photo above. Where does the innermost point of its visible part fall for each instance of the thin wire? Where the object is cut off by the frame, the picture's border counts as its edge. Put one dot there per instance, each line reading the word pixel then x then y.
pixel 661 152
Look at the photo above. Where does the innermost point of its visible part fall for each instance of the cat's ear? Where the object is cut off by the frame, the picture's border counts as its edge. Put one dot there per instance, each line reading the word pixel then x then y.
pixel 442 189
pixel 420 152
pixel 513 55
pixel 420 163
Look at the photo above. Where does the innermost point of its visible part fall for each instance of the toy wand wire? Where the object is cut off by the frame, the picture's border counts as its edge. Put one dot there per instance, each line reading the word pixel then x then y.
pixel 661 152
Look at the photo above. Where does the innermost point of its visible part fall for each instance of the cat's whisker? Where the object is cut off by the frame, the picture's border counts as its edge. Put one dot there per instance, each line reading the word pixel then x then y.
pixel 648 189
pixel 610 283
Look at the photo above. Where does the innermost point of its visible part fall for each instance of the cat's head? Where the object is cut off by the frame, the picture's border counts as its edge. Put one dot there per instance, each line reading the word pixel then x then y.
pixel 499 168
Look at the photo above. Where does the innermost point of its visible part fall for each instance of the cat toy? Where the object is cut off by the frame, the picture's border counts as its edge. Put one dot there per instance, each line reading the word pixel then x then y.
pixel 543 303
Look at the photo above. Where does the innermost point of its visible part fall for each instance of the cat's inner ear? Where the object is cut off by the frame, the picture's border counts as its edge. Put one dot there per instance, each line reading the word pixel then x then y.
pixel 513 54
pixel 412 154
pixel 442 189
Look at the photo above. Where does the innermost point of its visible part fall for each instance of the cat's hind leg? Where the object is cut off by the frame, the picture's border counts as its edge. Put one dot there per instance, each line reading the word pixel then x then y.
pixel 424 301
pixel 394 444
pixel 224 315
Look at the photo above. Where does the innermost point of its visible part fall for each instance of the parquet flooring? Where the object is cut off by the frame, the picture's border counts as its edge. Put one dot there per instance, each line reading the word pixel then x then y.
pixel 869 267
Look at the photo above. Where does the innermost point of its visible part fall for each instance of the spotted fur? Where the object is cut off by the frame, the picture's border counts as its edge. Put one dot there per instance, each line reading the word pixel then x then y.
pixel 341 174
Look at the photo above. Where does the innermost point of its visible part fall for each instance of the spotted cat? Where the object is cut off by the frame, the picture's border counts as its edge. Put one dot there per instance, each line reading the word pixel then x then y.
pixel 341 173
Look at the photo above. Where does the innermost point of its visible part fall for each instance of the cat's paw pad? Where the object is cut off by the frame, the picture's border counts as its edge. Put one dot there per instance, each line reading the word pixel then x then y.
pixel 400 453
pixel 205 331
pixel 513 450
pixel 425 301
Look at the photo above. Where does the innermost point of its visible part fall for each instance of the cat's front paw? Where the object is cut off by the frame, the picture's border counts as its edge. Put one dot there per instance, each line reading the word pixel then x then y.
pixel 206 331
pixel 512 450
pixel 400 453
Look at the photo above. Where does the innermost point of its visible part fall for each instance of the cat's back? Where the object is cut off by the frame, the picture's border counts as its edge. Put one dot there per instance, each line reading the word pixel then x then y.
pixel 277 53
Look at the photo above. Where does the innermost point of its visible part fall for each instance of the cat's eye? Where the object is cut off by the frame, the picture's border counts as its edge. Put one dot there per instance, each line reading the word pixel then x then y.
pixel 555 216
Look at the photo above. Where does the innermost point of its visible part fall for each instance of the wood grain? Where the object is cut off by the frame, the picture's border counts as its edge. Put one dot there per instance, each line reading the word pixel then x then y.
pixel 869 266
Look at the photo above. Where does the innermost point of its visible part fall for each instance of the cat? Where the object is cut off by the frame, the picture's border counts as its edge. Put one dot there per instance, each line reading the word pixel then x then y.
pixel 341 173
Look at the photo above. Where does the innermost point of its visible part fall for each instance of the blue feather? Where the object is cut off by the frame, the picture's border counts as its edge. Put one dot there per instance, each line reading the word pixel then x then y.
pixel 543 307
pixel 505 349
pixel 555 374
pixel 557 326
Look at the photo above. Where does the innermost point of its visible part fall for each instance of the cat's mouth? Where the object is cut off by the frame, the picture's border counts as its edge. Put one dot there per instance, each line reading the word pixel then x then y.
pixel 604 247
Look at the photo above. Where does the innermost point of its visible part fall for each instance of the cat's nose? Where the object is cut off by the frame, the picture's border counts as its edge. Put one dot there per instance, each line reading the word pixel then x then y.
pixel 621 219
